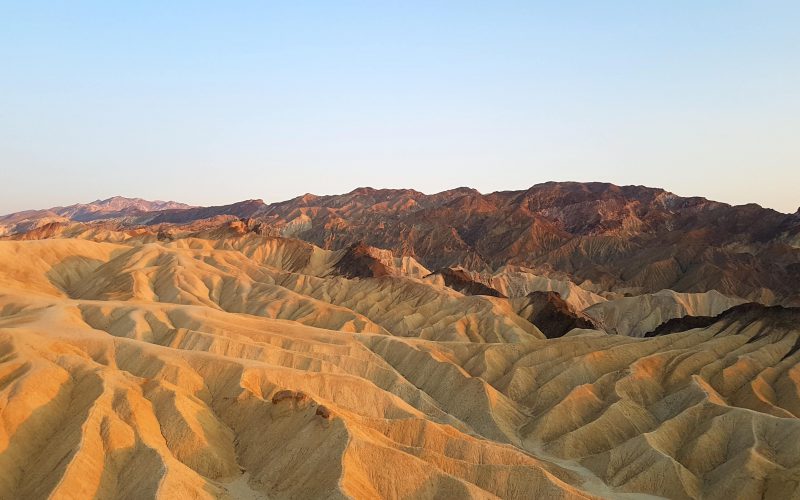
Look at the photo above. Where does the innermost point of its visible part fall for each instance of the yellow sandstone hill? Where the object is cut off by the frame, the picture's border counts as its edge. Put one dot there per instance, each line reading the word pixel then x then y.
pixel 218 363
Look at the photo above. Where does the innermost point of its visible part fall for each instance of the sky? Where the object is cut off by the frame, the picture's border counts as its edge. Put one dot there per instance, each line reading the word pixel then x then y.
pixel 210 103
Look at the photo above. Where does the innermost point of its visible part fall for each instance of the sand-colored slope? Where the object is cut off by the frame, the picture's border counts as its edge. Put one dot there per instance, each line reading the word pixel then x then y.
pixel 640 314
pixel 194 368
pixel 51 267
pixel 230 281
pixel 517 282
pixel 189 409
pixel 679 415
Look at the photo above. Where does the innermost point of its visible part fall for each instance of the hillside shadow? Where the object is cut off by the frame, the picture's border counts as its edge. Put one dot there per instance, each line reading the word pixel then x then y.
pixel 71 273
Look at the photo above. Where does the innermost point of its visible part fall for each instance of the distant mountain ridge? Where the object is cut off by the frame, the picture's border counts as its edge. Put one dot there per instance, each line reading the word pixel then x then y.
pixel 110 208
pixel 626 239
pixel 158 352
pixel 118 204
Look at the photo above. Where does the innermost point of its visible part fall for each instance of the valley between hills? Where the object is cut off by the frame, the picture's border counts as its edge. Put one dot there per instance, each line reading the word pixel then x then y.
pixel 571 340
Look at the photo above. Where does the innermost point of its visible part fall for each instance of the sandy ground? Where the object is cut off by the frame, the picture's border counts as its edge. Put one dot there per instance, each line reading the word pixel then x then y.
pixel 244 368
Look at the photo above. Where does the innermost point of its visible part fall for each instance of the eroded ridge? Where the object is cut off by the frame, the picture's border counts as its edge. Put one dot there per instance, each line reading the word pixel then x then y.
pixel 222 365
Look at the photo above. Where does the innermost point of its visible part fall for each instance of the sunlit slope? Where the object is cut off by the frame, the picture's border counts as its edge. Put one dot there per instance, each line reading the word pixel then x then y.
pixel 704 413
pixel 247 367
pixel 641 314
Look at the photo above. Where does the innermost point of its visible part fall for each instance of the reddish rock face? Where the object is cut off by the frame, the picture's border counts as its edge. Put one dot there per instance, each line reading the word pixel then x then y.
pixel 459 280
pixel 282 396
pixel 358 262
pixel 323 412
pixel 628 238
pixel 551 314
pixel 286 394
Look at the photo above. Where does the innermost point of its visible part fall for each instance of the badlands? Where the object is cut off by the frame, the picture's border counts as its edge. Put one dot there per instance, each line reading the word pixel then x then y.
pixel 566 341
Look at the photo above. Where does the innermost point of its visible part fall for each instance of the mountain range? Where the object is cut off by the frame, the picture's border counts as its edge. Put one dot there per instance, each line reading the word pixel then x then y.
pixel 606 238
pixel 570 340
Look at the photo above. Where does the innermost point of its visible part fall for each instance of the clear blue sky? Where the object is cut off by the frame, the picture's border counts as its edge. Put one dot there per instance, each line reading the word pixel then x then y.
pixel 214 102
